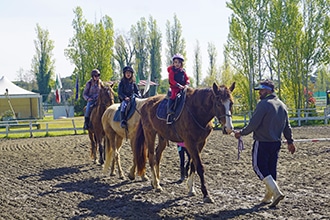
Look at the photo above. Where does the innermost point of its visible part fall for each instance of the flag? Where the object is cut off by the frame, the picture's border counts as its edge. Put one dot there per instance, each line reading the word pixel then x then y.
pixel 147 85
pixel 58 86
pixel 77 88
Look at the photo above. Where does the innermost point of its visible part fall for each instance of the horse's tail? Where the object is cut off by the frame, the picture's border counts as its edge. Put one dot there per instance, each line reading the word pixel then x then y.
pixel 140 150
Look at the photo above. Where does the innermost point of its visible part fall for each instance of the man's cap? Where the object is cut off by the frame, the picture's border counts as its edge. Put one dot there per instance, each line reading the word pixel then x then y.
pixel 266 84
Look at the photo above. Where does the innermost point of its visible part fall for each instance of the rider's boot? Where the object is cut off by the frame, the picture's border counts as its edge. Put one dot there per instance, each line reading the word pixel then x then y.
pixel 123 122
pixel 170 111
pixel 86 123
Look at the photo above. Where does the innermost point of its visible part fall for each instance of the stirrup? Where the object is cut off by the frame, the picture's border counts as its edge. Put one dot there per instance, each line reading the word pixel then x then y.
pixel 169 119
pixel 123 124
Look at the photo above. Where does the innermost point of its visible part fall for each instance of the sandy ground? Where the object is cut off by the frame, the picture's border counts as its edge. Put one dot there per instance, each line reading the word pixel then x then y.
pixel 54 178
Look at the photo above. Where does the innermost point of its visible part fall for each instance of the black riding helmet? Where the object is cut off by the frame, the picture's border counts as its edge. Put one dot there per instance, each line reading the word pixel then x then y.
pixel 128 68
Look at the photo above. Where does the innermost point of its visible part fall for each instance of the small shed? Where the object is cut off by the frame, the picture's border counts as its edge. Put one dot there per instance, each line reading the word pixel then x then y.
pixel 26 104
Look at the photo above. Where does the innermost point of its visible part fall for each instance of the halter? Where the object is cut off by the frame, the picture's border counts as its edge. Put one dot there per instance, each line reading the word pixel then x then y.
pixel 215 104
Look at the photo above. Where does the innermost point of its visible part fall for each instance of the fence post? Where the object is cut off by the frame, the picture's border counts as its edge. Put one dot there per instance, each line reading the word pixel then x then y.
pixel 74 127
pixel 30 125
pixel 46 129
pixel 299 119
pixel 7 129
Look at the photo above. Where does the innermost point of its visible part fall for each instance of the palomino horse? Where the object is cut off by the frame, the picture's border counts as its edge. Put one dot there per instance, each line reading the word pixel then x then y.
pixel 95 131
pixel 192 127
pixel 115 135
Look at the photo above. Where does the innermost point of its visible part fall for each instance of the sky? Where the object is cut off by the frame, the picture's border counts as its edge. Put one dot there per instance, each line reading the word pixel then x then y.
pixel 202 20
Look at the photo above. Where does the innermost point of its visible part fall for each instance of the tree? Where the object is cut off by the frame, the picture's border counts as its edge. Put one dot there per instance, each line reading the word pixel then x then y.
pixel 197 64
pixel 91 47
pixel 154 47
pixel 241 43
pixel 139 36
pixel 124 52
pixel 212 73
pixel 42 63
pixel 175 41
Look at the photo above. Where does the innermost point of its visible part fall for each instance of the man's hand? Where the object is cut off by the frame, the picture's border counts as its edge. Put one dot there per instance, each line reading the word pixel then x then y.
pixel 291 148
pixel 237 134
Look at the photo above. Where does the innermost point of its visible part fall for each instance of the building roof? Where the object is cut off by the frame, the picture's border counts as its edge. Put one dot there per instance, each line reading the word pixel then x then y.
pixel 14 91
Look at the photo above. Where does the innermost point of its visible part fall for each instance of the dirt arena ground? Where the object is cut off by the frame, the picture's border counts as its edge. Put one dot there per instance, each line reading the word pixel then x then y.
pixel 54 178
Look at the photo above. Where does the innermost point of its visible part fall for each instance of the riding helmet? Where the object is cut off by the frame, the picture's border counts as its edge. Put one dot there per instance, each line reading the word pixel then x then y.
pixel 95 72
pixel 128 68
pixel 178 56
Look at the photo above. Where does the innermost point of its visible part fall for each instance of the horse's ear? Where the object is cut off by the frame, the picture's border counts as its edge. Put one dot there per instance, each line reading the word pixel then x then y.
pixel 215 87
pixel 232 87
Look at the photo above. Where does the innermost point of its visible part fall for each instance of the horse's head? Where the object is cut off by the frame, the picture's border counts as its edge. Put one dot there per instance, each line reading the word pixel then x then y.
pixel 223 106
pixel 106 95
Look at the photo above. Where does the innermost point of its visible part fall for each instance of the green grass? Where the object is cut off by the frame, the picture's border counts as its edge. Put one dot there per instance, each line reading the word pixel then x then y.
pixel 52 124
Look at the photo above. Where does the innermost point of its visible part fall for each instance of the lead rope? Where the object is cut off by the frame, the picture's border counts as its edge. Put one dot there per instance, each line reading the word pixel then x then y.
pixel 240 147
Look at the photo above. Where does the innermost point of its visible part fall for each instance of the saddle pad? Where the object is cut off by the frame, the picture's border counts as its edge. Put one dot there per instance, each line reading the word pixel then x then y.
pixel 131 111
pixel 161 111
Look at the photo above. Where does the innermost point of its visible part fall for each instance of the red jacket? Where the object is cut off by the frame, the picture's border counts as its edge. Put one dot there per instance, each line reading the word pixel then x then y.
pixel 176 78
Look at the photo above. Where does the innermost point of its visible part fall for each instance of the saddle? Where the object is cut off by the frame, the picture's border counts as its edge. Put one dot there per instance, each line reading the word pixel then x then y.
pixel 129 111
pixel 179 102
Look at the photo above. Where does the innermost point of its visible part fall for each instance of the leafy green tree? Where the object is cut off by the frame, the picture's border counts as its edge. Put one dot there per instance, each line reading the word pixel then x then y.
pixel 323 79
pixel 241 42
pixel 197 68
pixel 139 36
pixel 154 47
pixel 124 52
pixel 42 63
pixel 91 47
pixel 315 46
pixel 175 41
pixel 212 73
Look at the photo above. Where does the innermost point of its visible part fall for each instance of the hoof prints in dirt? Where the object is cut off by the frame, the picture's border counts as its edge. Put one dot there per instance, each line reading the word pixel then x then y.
pixel 54 178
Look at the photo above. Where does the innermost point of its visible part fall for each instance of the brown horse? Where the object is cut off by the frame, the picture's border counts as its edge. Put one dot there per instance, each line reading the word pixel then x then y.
pixel 115 135
pixel 95 130
pixel 192 127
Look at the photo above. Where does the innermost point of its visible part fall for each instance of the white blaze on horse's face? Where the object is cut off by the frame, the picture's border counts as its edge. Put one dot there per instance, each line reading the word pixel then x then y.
pixel 229 121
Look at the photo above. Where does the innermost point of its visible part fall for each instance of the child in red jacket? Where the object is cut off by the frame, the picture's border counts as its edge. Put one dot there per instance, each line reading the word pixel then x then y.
pixel 178 80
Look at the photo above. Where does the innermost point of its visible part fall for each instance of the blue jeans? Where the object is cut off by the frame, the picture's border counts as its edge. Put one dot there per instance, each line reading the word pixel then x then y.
pixel 88 108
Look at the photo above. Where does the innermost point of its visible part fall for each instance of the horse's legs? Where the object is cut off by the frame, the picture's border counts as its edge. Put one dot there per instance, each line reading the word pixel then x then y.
pixel 150 143
pixel 109 142
pixel 119 142
pixel 191 184
pixel 194 153
pixel 112 157
pixel 101 149
pixel 132 171
pixel 93 146
pixel 159 150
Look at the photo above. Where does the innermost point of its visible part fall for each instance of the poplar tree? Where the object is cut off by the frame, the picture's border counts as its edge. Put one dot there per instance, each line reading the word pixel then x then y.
pixel 42 62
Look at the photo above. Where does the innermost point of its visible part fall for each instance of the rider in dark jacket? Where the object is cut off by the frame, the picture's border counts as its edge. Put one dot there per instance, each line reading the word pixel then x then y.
pixel 126 89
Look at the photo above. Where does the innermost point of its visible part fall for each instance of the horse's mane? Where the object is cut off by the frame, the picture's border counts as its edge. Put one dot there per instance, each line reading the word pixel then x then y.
pixel 140 102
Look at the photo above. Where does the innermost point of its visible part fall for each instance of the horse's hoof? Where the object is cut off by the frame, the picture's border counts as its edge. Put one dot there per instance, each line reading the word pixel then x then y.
pixel 100 162
pixel 112 174
pixel 131 177
pixel 159 189
pixel 192 193
pixel 144 178
pixel 121 177
pixel 208 199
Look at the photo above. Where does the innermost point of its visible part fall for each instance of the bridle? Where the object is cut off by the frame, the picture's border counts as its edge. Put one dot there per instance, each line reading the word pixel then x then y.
pixel 218 103
pixel 111 99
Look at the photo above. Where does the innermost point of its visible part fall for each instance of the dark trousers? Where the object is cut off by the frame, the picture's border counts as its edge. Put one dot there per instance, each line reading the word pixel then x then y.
pixel 264 158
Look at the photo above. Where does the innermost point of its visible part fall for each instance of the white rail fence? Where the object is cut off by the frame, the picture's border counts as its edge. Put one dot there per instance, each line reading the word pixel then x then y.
pixel 33 126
